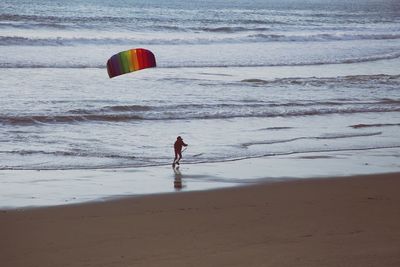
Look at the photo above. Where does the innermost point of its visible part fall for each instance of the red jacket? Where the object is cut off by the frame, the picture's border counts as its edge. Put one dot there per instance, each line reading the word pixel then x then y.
pixel 178 145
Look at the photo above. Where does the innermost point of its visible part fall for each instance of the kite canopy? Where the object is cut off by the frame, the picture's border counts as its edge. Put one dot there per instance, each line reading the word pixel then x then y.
pixel 129 61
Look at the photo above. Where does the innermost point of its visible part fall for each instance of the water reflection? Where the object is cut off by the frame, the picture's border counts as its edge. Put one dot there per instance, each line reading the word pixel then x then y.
pixel 178 179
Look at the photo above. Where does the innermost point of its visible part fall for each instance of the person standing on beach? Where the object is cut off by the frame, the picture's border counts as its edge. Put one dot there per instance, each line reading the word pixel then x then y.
pixel 178 150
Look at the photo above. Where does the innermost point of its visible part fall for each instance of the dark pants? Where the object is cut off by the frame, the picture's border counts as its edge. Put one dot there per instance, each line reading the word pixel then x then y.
pixel 178 156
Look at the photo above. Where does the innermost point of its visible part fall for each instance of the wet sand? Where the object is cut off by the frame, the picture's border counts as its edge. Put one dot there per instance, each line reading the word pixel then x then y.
pixel 352 221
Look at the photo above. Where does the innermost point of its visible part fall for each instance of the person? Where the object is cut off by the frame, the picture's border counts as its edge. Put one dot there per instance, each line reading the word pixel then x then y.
pixel 178 150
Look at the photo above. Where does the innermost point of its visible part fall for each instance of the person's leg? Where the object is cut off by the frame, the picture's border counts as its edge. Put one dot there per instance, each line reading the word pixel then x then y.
pixel 179 157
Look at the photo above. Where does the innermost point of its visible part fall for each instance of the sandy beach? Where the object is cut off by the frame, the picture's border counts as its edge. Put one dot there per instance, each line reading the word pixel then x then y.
pixel 352 221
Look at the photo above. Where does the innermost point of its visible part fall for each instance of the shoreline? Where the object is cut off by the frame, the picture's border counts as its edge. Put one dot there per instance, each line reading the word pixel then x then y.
pixel 222 161
pixel 261 182
pixel 342 221
pixel 22 189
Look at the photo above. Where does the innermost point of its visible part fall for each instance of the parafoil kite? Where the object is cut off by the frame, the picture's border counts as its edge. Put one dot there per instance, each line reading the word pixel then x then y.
pixel 129 61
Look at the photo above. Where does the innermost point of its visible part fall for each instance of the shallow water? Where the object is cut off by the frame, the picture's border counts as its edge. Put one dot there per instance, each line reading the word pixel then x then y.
pixel 67 122
pixel 30 188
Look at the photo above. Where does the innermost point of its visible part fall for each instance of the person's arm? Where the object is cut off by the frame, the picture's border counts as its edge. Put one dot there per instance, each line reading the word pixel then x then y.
pixel 184 144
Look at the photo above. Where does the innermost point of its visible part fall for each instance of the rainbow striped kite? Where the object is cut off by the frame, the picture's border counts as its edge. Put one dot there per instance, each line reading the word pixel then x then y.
pixel 129 61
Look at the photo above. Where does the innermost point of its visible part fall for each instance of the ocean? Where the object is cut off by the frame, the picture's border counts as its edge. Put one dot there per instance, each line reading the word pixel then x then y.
pixel 236 79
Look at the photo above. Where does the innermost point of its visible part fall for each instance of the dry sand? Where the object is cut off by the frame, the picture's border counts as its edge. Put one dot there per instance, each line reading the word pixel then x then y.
pixel 316 222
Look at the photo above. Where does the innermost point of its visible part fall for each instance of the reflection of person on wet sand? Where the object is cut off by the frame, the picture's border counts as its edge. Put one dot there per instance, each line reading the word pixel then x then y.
pixel 178 150
pixel 178 179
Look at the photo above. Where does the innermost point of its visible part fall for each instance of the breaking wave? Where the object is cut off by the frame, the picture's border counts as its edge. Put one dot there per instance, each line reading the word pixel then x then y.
pixel 198 39
pixel 351 79
pixel 49 119
pixel 332 136
pixel 323 37
pixel 362 125
pixel 200 111
pixel 62 64
pixel 68 154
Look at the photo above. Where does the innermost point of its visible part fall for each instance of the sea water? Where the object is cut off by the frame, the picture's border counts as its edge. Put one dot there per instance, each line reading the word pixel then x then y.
pixel 236 79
